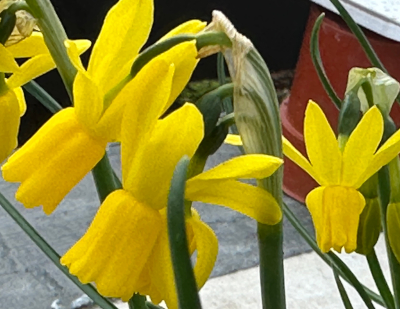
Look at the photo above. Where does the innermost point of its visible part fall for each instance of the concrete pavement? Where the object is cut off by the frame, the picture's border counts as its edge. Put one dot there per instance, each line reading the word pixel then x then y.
pixel 29 280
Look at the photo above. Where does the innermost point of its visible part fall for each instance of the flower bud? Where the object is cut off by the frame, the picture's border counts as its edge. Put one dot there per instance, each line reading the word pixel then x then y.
pixel 255 101
pixel 369 226
pixel 393 228
pixel 373 86
pixel 24 25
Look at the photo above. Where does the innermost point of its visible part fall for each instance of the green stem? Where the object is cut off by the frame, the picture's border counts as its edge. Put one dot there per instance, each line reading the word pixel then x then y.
pixel 380 280
pixel 330 258
pixel 137 302
pixel 105 179
pixel 342 291
pixel 54 36
pixel 185 281
pixel 42 96
pixel 384 195
pixel 317 61
pixel 202 39
pixel 270 242
pixel 52 254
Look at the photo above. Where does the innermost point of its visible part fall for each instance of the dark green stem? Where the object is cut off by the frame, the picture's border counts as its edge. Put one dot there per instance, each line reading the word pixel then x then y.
pixel 342 291
pixel 42 96
pixel 52 254
pixel 330 258
pixel 137 302
pixel 105 179
pixel 270 242
pixel 316 59
pixel 380 280
pixel 185 281
pixel 384 195
pixel 54 36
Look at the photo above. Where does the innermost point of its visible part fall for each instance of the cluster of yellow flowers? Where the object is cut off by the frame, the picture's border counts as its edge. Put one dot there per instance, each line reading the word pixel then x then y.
pixel 126 249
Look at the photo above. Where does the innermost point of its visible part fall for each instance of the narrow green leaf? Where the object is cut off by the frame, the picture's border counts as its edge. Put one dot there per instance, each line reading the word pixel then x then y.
pixel 342 291
pixel 42 96
pixel 317 61
pixel 184 277
pixel 379 279
pixel 52 254
pixel 361 37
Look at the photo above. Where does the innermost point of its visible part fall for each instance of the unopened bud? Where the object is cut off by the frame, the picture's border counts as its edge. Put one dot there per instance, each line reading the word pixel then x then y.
pixel 24 25
pixel 393 228
pixel 374 87
pixel 255 101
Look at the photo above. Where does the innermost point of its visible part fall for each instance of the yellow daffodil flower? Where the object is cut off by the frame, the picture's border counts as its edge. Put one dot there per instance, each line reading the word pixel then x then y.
pixel 73 141
pixel 336 205
pixel 12 100
pixel 126 250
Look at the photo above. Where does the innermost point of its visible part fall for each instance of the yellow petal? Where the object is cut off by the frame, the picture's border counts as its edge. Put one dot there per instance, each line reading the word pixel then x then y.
pixel 150 93
pixel 335 212
pixel 53 161
pixel 29 47
pixel 243 167
pixel 73 55
pixel 361 146
pixel 31 69
pixel 322 147
pixel 294 155
pixel 88 100
pixel 183 56
pixel 9 123
pixel 116 246
pixel 234 140
pixel 244 198
pixel 386 153
pixel 190 27
pixel 161 271
pixel 21 100
pixel 207 250
pixel 125 30
pixel 7 62
pixel 177 135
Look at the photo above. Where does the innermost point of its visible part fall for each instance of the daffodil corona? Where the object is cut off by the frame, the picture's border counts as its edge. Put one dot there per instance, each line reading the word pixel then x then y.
pixel 72 142
pixel 336 205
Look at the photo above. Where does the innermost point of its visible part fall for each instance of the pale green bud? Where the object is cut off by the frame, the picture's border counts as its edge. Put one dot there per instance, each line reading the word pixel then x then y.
pixel 374 87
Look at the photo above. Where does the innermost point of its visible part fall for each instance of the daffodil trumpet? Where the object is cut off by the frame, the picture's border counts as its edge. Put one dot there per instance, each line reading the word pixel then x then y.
pixel 336 205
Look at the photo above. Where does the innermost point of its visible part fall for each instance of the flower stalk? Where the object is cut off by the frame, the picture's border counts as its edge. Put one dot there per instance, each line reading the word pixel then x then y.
pixel 54 36
pixel 257 119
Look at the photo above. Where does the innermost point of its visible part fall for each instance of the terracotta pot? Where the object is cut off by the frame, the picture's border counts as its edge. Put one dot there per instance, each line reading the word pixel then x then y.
pixel 340 51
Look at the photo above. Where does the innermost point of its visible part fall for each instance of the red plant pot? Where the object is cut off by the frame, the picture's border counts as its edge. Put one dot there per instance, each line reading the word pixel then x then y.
pixel 340 51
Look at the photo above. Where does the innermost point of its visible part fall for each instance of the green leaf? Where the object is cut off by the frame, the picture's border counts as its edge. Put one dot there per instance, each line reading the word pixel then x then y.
pixel 184 277
pixel 316 59
pixel 342 291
